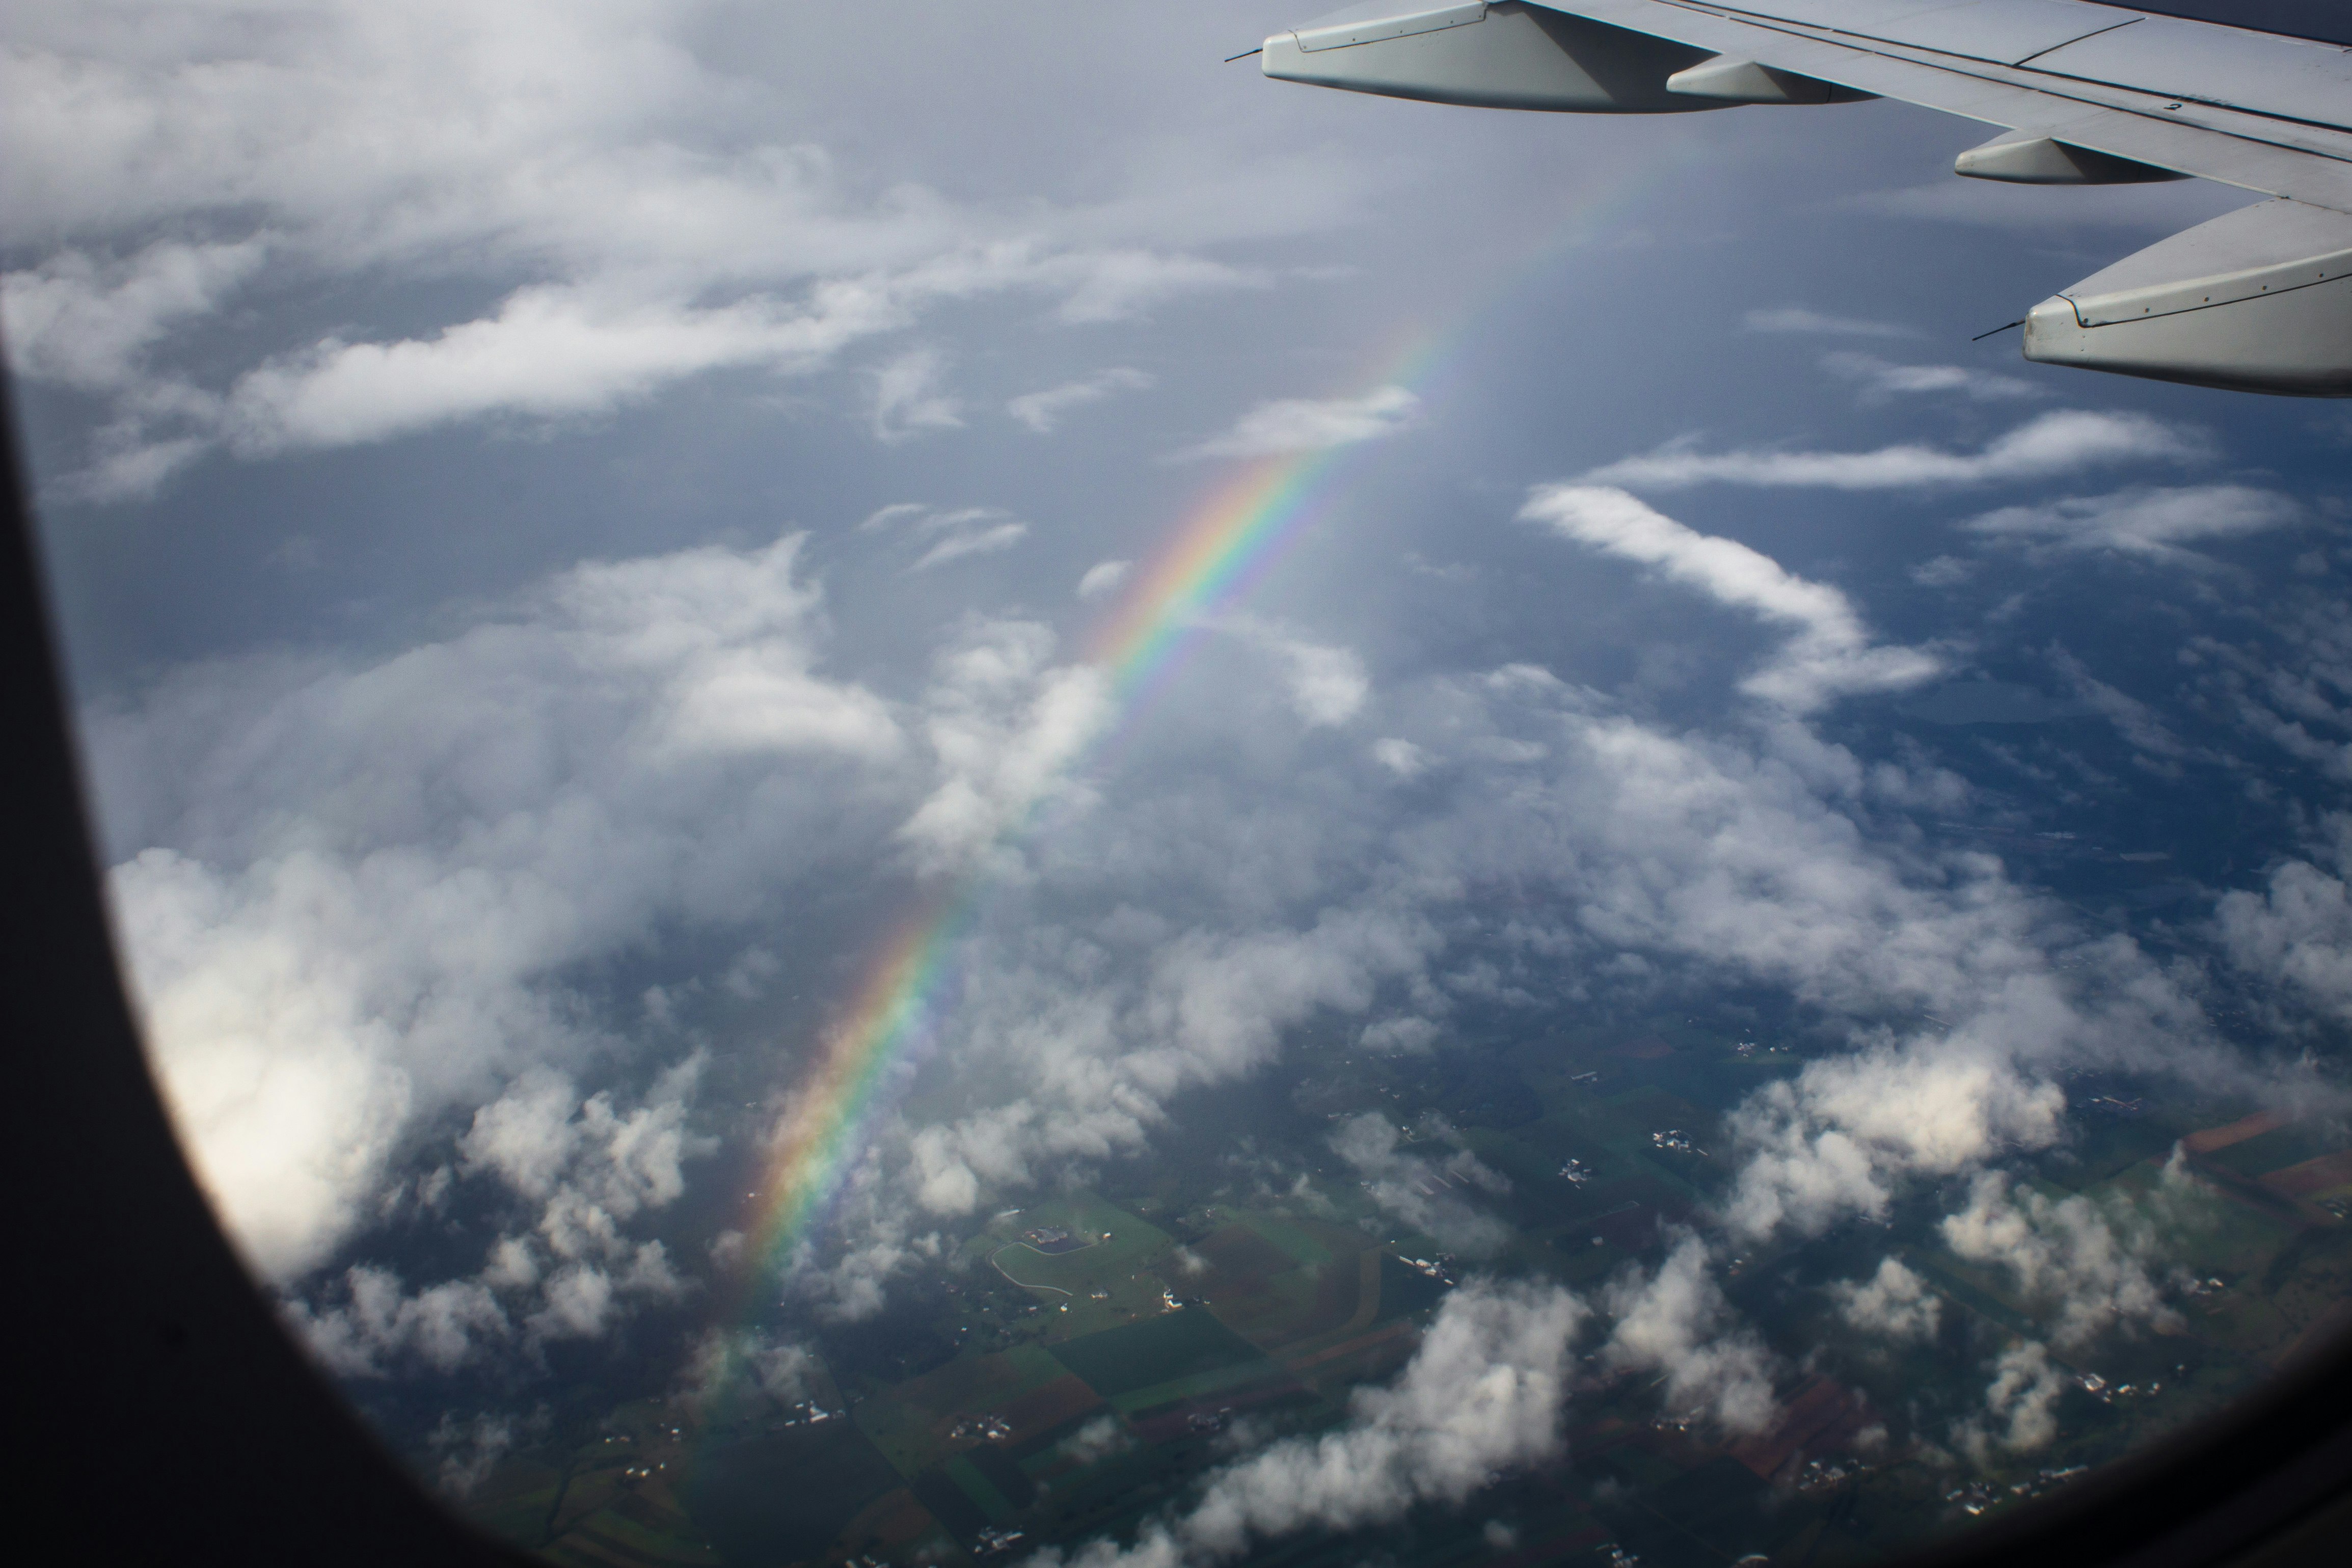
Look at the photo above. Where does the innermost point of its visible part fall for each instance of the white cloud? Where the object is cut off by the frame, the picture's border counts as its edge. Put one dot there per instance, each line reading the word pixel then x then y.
pixel 953 534
pixel 633 214
pixel 744 1370
pixel 1831 653
pixel 1943 571
pixel 1306 424
pixel 1836 1139
pixel 909 396
pixel 1328 686
pixel 2056 443
pixel 469 1451
pixel 1894 1303
pixel 326 948
pixel 1883 379
pixel 1400 757
pixel 87 322
pixel 1431 1195
pixel 2149 522
pixel 1483 1394
pixel 2020 1403
pixel 1042 412
pixel 1800 318
pixel 1103 577
pixel 1676 1322
pixel 2070 1257
pixel 2297 929
pixel 1004 723
pixel 985 540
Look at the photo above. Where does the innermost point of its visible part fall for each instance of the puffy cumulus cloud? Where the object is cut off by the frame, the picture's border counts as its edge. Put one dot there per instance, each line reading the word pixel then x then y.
pixel 1433 1195
pixel 1042 411
pixel 2020 1405
pixel 624 210
pixel 584 1170
pixel 1004 722
pixel 1894 1303
pixel 2151 522
pixel 360 882
pixel 1831 653
pixel 2062 442
pixel 1880 380
pixel 467 1451
pixel 1081 1066
pixel 1482 1395
pixel 2297 929
pixel 1676 1322
pixel 2086 1264
pixel 741 1369
pixel 1839 1137
pixel 1307 425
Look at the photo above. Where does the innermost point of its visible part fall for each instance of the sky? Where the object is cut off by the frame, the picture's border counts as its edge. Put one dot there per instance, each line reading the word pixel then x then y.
pixel 572 524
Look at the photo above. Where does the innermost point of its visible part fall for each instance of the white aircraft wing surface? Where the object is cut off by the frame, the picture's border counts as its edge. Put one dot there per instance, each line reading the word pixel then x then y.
pixel 2083 93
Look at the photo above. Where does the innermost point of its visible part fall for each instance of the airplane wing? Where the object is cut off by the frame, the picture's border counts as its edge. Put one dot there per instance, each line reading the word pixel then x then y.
pixel 2082 92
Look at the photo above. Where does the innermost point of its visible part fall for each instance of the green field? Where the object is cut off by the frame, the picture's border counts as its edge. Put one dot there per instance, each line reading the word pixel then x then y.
pixel 1171 1347
pixel 1133 1248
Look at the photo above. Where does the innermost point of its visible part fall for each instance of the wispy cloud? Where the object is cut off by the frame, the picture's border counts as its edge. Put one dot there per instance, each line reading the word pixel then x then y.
pixel 910 395
pixel 2057 443
pixel 1883 379
pixel 1797 318
pixel 1832 652
pixel 1307 424
pixel 954 532
pixel 2148 521
pixel 1042 411
pixel 1102 577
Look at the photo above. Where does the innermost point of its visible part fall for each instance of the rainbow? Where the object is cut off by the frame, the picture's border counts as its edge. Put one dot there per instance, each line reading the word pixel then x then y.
pixel 1216 556
pixel 1223 550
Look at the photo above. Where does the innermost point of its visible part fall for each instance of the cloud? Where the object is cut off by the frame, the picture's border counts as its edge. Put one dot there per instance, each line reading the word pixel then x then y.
pixel 744 1370
pixel 1835 1140
pixel 86 322
pixel 1433 1195
pixel 1831 653
pixel 1307 425
pixel 953 533
pixel 1894 1303
pixel 909 396
pixel 1676 1322
pixel 2149 522
pixel 2056 443
pixel 2021 1402
pixel 2071 1256
pixel 1042 411
pixel 327 948
pixel 985 540
pixel 1483 1394
pixel 649 219
pixel 2297 929
pixel 1103 577
pixel 1798 319
pixel 1400 757
pixel 469 1451
pixel 1881 379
